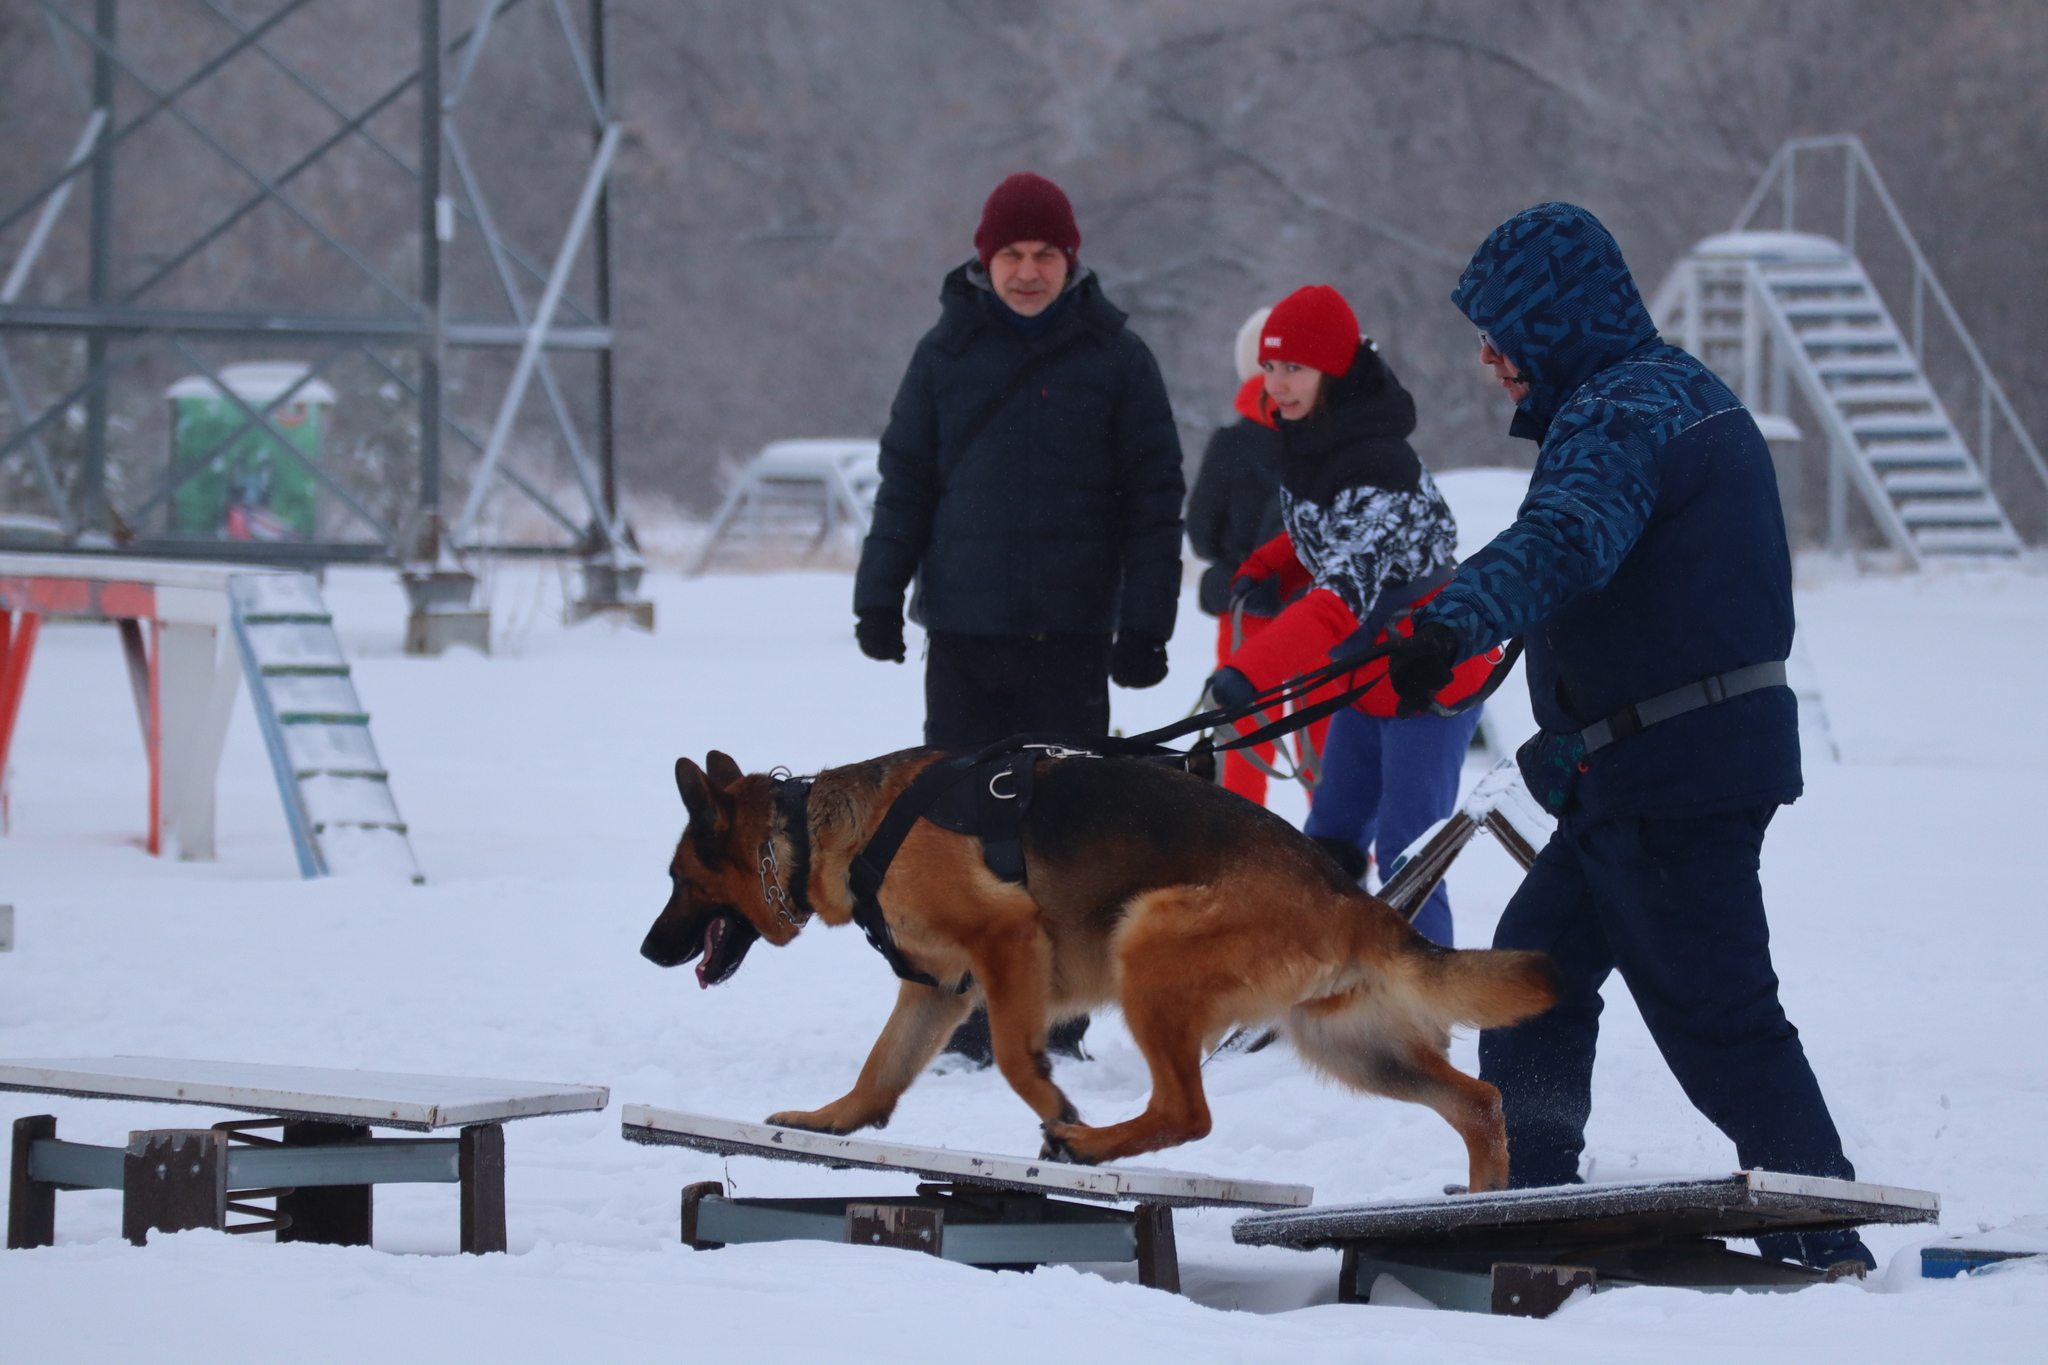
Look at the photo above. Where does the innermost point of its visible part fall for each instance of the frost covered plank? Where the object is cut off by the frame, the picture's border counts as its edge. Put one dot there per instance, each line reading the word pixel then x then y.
pixel 1738 1205
pixel 730 1137
pixel 387 1098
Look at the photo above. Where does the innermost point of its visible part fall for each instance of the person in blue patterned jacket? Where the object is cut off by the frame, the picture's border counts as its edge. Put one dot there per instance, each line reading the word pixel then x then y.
pixel 1648 575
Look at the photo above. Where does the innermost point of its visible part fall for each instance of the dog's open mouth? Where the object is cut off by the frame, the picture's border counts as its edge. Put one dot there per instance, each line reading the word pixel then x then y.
pixel 726 940
pixel 719 936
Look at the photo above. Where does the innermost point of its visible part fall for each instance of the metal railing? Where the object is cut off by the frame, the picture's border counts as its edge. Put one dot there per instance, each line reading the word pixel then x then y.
pixel 1858 168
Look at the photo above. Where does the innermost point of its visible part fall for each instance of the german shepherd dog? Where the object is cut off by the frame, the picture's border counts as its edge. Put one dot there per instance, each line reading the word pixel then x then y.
pixel 1191 909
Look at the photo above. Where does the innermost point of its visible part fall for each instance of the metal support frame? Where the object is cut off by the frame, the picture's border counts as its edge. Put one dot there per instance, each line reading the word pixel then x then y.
pixel 981 1225
pixel 116 308
pixel 319 1173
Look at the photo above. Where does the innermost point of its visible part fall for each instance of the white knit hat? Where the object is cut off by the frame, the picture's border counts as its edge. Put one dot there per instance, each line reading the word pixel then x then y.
pixel 1247 352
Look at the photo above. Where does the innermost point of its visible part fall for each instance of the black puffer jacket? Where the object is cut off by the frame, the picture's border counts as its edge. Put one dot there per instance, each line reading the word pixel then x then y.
pixel 1063 515
pixel 1235 505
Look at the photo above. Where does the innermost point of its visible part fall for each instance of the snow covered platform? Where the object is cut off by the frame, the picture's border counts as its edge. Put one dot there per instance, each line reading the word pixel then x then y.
pixel 980 1208
pixel 319 1170
pixel 1524 1251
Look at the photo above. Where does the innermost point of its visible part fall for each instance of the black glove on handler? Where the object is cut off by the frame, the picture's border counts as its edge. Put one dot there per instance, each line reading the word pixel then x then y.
pixel 1229 688
pixel 1420 666
pixel 1137 659
pixel 1261 596
pixel 880 633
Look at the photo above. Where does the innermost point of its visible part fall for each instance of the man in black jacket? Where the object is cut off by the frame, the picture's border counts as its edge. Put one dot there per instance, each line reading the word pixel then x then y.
pixel 1031 483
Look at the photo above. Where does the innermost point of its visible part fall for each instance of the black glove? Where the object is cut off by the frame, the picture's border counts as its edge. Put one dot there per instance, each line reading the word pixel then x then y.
pixel 1261 596
pixel 1137 659
pixel 880 633
pixel 1230 688
pixel 1420 666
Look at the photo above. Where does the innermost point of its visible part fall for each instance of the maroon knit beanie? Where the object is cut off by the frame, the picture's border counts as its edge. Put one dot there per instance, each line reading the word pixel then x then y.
pixel 1027 208
pixel 1313 326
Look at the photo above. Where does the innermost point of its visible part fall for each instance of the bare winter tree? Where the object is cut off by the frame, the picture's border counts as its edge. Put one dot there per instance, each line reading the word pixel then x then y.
pixel 799 174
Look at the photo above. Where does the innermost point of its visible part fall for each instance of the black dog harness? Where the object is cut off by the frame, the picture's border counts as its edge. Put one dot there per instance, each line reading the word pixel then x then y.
pixel 983 793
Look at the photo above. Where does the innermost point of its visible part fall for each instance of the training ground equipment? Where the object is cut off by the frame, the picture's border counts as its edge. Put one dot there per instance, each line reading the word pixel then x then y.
pixel 337 795
pixel 1975 1251
pixel 1524 1252
pixel 179 623
pixel 1500 805
pixel 972 1207
pixel 318 1171
pixel 830 483
pixel 1764 308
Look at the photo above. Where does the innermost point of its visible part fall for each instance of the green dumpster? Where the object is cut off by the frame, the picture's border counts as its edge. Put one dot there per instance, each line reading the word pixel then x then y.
pixel 248 488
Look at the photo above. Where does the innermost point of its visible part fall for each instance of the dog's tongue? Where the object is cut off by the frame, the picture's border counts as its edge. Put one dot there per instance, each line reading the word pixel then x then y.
pixel 714 933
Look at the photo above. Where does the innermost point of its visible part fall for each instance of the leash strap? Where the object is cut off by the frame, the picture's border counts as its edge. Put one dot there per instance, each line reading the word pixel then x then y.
pixel 1631 720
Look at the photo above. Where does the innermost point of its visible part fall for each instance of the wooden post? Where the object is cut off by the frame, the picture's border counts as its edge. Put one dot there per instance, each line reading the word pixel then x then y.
pixel 1158 1261
pixel 693 1195
pixel 31 1204
pixel 904 1226
pixel 173 1179
pixel 338 1215
pixel 482 1157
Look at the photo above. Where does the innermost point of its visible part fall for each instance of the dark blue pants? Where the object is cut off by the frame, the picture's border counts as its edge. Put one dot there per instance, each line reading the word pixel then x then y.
pixel 1385 782
pixel 1676 906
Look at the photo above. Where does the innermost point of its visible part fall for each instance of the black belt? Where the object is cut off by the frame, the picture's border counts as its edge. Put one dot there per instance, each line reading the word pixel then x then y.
pixel 1679 700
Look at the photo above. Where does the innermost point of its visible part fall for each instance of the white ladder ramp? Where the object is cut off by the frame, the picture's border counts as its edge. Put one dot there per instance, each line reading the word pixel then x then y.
pixel 336 793
pixel 1801 305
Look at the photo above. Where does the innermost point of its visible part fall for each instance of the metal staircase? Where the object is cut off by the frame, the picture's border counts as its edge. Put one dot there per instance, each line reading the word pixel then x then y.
pixel 1766 308
pixel 337 795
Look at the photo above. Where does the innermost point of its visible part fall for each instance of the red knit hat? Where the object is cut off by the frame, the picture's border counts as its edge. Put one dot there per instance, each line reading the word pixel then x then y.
pixel 1026 208
pixel 1313 326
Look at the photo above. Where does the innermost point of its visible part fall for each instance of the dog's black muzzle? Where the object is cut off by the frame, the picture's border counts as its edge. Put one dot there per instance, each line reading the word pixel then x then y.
pixel 719 932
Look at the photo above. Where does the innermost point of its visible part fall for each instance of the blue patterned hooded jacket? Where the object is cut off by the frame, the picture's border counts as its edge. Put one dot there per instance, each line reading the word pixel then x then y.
pixel 1650 551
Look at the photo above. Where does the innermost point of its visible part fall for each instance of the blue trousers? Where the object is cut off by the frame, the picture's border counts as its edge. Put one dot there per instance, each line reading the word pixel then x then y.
pixel 1676 906
pixel 1385 782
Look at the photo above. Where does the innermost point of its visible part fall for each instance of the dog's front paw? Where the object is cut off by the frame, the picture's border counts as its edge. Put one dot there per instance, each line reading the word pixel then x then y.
pixel 810 1120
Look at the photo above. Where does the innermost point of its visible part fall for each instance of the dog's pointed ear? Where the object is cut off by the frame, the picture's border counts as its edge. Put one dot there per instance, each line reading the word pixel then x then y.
pixel 696 792
pixel 710 812
pixel 722 771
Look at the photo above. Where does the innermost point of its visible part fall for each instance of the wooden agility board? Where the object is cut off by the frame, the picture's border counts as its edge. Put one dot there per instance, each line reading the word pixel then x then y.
pixel 729 1137
pixel 388 1099
pixel 1740 1205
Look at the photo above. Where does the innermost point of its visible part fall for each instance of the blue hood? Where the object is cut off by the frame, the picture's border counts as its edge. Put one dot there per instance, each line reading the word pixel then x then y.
pixel 1550 287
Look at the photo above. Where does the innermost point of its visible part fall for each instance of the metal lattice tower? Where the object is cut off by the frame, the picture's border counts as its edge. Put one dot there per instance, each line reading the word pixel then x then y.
pixel 1770 307
pixel 308 179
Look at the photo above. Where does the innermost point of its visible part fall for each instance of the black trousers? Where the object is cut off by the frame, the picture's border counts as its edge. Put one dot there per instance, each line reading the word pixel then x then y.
pixel 1676 907
pixel 982 688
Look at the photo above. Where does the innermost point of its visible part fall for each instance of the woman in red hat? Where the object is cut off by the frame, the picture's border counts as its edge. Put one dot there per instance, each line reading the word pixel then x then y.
pixel 1366 521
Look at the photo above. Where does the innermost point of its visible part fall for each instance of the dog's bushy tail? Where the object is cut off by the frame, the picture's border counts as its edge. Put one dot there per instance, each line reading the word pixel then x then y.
pixel 1490 988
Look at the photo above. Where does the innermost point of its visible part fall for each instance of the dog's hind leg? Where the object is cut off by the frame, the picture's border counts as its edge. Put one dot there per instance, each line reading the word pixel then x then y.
pixel 924 1017
pixel 1015 972
pixel 1412 1070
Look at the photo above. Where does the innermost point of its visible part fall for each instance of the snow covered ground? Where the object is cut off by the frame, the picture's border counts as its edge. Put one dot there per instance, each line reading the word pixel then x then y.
pixel 1906 899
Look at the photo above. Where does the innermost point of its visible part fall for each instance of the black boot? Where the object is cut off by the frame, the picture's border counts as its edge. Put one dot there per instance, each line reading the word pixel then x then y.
pixel 971 1040
pixel 1064 1040
pixel 1839 1253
